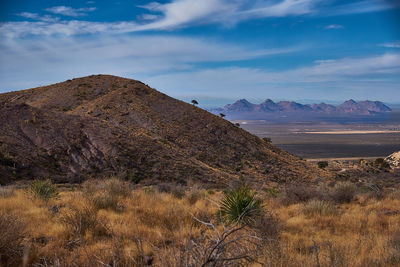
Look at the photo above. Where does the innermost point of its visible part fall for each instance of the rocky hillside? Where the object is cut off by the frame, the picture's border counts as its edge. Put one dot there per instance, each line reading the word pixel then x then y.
pixel 394 160
pixel 104 125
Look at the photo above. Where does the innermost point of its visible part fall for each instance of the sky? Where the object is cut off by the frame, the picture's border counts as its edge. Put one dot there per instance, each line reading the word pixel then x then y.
pixel 215 51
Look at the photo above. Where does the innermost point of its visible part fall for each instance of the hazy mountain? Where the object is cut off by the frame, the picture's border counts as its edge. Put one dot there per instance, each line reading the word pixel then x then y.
pixel 105 125
pixel 349 107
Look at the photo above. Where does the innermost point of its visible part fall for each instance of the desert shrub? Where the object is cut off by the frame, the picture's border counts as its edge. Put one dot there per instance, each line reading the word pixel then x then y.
pixel 394 195
pixel 133 177
pixel 116 187
pixel 6 192
pixel 274 192
pixel 106 194
pixel 79 221
pixel 318 207
pixel 343 192
pixel 268 226
pixel 240 205
pixel 322 164
pixel 43 189
pixel 267 139
pixel 193 196
pixel 11 236
pixel 382 163
pixel 299 193
pixel 164 188
pixel 5 161
pixel 178 192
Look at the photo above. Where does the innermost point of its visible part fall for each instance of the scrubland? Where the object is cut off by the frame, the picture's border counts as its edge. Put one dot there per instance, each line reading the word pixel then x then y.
pixel 112 223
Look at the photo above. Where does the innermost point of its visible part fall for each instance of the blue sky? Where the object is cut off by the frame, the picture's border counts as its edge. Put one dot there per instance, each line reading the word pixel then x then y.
pixel 213 50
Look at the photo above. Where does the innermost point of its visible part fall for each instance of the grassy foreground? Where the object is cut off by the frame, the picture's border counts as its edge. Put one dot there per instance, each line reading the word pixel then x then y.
pixel 108 223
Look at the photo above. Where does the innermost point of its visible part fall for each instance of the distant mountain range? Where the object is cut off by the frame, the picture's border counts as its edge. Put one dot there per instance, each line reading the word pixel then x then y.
pixel 348 108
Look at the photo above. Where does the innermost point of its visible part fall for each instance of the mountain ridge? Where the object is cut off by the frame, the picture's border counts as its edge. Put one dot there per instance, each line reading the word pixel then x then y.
pixel 349 107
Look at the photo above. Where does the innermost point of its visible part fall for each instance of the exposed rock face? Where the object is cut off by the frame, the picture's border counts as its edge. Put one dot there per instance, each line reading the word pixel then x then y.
pixel 104 125
pixel 394 160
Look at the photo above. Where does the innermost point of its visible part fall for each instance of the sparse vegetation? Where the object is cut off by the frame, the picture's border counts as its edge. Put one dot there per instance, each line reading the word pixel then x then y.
pixel 160 228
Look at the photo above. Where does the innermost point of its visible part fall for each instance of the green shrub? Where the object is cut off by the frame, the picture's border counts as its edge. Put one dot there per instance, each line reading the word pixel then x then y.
pixel 318 207
pixel 344 192
pixel 322 164
pixel 274 192
pixel 240 205
pixel 43 189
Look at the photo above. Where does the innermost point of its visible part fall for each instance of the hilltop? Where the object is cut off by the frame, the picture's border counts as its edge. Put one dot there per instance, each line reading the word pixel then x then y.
pixel 103 125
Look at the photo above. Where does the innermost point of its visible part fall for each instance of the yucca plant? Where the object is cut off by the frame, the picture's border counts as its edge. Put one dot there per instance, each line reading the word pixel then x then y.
pixel 240 206
pixel 43 189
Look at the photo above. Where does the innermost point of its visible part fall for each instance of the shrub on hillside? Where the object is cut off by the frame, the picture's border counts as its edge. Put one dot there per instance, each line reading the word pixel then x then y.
pixel 322 164
pixel 344 192
pixel 240 205
pixel 299 193
pixel 43 189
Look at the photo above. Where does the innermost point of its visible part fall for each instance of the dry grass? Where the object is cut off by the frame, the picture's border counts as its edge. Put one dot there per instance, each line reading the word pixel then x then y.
pixel 160 228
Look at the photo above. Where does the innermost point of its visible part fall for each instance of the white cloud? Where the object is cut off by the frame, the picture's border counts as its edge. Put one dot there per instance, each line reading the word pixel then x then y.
pixel 51 58
pixel 391 45
pixel 334 26
pixel 69 11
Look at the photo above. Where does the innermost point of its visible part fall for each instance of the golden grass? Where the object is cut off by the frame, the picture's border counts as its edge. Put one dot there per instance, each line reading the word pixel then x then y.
pixel 153 227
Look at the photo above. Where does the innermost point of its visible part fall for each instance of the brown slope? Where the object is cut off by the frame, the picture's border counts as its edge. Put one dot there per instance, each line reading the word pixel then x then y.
pixel 106 125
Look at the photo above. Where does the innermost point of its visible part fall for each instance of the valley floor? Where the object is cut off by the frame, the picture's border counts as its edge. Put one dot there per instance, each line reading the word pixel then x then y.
pixel 111 223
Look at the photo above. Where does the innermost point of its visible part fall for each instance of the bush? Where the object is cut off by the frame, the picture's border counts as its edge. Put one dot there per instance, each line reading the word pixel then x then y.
pixel 299 193
pixel 268 226
pixel 79 221
pixel 11 236
pixel 240 205
pixel 6 192
pixel 106 194
pixel 322 164
pixel 318 207
pixel 344 192
pixel 43 189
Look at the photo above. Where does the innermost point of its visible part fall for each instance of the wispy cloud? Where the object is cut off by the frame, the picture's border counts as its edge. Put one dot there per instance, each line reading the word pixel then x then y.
pixel 334 27
pixel 184 13
pixel 69 11
pixel 362 6
pixel 36 16
pixel 391 45
pixel 141 56
pixel 346 77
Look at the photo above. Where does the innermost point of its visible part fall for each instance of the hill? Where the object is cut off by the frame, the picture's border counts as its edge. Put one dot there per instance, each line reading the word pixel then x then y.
pixel 104 125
